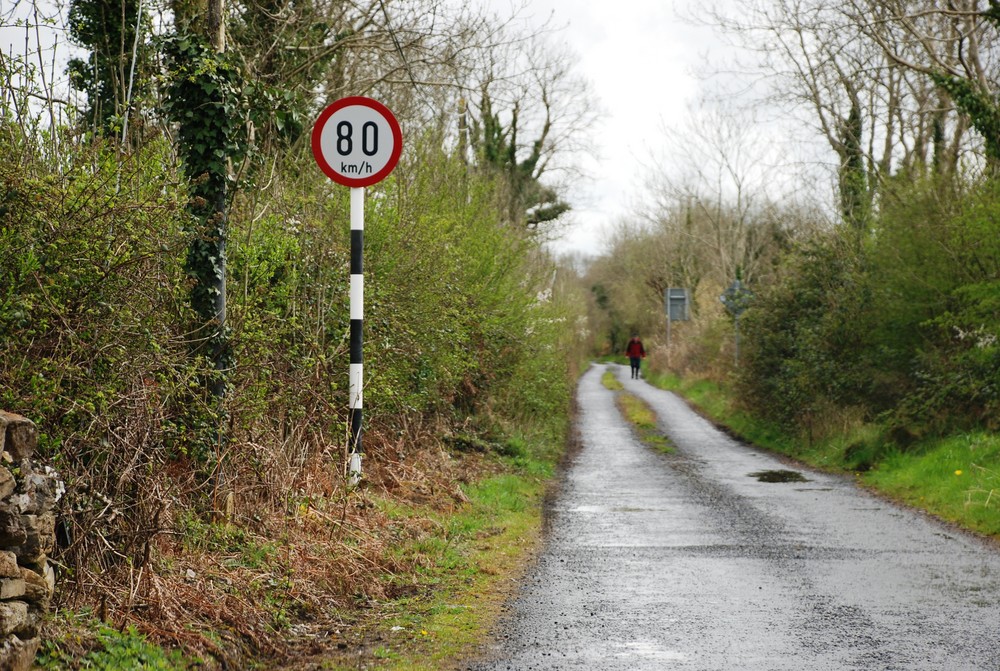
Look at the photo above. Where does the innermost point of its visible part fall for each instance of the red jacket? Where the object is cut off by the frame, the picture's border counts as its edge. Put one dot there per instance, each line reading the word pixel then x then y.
pixel 635 349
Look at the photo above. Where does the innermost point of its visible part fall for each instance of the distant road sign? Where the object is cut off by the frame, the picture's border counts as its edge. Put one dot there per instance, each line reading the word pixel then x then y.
pixel 736 298
pixel 357 141
pixel 678 304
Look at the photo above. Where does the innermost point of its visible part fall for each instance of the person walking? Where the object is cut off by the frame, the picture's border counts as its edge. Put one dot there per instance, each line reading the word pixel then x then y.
pixel 635 353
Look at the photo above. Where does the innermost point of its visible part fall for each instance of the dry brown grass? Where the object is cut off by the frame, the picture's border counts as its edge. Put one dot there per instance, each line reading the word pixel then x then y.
pixel 302 566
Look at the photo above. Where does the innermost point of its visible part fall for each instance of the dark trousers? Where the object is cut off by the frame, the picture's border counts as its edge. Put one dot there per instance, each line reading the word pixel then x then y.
pixel 636 362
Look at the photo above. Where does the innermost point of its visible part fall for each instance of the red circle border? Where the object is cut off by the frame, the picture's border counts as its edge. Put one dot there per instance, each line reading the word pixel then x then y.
pixel 333 108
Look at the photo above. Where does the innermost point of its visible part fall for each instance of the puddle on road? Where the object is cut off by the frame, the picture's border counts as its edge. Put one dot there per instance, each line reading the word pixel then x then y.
pixel 779 476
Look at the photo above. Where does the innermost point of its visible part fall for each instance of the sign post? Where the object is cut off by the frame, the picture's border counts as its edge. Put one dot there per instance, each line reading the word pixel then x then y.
pixel 356 142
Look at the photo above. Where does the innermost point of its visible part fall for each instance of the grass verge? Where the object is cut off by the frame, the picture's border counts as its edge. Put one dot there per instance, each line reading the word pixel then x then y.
pixel 470 572
pixel 638 414
pixel 956 478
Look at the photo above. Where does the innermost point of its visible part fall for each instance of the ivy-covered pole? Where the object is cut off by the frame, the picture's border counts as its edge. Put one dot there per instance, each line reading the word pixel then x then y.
pixel 201 100
pixel 204 100
pixel 357 142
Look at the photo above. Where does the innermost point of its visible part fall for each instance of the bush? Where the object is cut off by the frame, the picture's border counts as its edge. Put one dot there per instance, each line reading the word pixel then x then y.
pixel 941 272
pixel 807 339
pixel 905 328
pixel 959 373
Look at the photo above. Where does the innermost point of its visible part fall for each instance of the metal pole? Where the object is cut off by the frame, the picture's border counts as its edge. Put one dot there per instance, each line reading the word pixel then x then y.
pixel 736 321
pixel 357 333
pixel 669 321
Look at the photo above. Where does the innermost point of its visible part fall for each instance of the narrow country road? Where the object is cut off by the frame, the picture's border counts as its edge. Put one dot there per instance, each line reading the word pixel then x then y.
pixel 688 561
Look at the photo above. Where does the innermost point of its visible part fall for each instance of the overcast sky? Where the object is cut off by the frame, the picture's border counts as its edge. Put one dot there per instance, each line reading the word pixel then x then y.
pixel 640 59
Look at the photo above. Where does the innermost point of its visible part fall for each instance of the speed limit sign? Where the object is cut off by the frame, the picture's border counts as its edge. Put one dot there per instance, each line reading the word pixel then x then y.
pixel 357 141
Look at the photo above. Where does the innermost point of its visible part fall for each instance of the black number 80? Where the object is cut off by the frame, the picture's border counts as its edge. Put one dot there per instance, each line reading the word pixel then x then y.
pixel 345 138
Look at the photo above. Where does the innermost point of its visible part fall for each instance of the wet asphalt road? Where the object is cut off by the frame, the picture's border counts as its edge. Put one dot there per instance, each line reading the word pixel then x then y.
pixel 685 561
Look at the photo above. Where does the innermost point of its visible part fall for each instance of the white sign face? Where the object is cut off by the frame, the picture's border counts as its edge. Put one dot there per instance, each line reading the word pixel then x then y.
pixel 357 141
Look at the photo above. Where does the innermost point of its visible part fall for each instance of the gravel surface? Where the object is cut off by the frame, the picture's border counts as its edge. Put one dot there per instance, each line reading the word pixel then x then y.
pixel 690 561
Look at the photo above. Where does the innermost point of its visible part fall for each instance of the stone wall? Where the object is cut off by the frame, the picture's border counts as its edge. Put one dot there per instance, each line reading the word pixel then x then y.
pixel 28 496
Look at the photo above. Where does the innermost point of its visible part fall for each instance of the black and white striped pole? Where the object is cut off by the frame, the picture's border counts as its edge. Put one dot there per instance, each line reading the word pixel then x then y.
pixel 356 142
pixel 357 364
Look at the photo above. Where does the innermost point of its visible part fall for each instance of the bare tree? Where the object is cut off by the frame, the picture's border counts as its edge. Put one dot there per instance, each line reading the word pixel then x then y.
pixel 711 199
pixel 486 82
pixel 531 108
pixel 950 44
pixel 843 64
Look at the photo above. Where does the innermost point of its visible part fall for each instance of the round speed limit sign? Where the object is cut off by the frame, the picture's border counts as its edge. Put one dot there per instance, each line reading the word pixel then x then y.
pixel 357 141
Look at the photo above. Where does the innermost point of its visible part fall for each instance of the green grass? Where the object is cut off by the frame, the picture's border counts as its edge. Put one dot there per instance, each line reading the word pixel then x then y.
pixel 956 478
pixel 638 414
pixel 610 381
pixel 642 417
pixel 469 565
pixel 109 649
pixel 244 549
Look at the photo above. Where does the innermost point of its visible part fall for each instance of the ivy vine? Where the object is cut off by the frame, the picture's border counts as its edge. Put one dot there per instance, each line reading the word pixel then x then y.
pixel 204 98
pixel 982 108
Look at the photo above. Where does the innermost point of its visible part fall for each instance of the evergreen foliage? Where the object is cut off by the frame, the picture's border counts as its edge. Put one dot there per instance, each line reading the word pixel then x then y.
pixel 907 329
pixel 980 105
pixel 204 98
pixel 107 29
pixel 529 202
pixel 855 196
pixel 807 339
